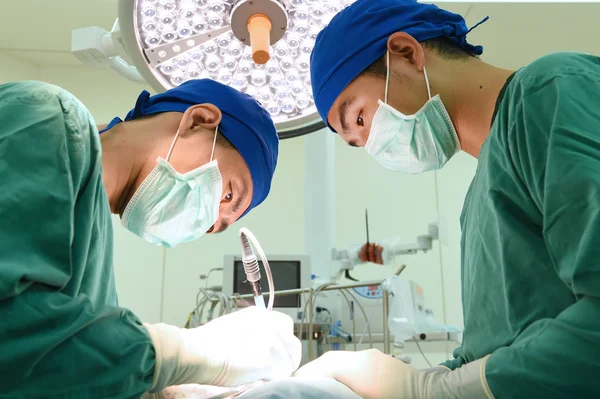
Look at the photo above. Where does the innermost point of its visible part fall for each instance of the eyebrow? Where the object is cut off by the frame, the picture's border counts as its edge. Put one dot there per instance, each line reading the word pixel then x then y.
pixel 238 201
pixel 343 110
pixel 233 209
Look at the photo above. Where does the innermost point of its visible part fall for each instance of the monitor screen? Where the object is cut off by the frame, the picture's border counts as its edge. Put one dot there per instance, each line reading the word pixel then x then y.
pixel 286 276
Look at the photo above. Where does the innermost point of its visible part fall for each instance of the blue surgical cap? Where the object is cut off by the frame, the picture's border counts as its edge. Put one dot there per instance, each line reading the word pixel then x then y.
pixel 357 36
pixel 245 124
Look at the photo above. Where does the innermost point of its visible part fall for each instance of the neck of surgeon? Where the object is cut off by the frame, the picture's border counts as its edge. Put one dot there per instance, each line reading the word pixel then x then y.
pixel 469 90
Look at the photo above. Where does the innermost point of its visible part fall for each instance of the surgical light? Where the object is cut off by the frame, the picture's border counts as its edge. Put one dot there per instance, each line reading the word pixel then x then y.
pixel 260 47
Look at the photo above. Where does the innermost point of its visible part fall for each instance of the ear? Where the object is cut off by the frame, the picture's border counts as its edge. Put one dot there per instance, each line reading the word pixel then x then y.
pixel 407 48
pixel 200 117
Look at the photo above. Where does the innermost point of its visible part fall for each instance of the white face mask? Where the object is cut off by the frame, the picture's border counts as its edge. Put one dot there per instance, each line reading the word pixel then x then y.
pixel 170 208
pixel 412 143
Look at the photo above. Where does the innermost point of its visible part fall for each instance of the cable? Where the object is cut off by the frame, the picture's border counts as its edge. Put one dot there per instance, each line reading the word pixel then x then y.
pixel 208 275
pixel 353 318
pixel 300 320
pixel 422 354
pixel 365 316
pixel 314 295
pixel 369 322
pixel 304 315
pixel 211 311
pixel 315 292
pixel 223 300
pixel 328 322
pixel 344 294
pixel 201 311
pixel 237 297
pixel 298 305
pixel 200 304
pixel 437 206
pixel 398 272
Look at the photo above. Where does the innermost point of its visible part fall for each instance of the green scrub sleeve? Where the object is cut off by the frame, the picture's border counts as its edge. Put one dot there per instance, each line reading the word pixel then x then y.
pixel 56 346
pixel 555 146
pixel 62 334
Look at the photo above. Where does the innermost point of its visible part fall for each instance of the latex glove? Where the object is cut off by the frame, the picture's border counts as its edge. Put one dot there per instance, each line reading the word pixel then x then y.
pixel 195 391
pixel 373 374
pixel 371 253
pixel 239 348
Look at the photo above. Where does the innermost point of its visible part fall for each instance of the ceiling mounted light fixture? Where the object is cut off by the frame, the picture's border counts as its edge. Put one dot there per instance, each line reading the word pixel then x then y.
pixel 260 47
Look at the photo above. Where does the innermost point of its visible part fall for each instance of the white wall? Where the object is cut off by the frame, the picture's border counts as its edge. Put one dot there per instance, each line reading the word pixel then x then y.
pixel 104 93
pixel 12 69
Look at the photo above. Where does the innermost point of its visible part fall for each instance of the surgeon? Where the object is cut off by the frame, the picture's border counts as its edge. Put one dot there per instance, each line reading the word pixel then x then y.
pixel 407 85
pixel 185 162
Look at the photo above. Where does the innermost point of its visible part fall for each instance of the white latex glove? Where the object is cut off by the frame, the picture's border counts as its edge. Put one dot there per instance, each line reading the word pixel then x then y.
pixel 195 391
pixel 374 375
pixel 239 348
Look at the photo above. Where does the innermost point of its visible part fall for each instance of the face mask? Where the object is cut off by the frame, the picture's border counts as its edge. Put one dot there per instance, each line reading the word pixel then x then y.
pixel 412 143
pixel 170 208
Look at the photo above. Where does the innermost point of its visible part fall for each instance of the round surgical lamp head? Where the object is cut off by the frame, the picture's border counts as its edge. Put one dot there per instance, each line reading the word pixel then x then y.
pixel 260 47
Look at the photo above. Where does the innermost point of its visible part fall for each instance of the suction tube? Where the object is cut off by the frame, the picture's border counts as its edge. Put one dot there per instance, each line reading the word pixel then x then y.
pixel 252 270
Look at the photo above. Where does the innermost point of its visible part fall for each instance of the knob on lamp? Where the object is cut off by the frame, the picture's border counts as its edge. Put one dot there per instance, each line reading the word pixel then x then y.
pixel 259 27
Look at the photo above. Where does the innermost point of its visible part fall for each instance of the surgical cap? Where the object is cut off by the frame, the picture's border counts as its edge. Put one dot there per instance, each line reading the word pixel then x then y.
pixel 357 36
pixel 244 123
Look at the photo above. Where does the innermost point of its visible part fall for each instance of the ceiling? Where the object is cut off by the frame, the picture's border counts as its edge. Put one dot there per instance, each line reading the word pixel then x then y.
pixel 515 34
pixel 40 34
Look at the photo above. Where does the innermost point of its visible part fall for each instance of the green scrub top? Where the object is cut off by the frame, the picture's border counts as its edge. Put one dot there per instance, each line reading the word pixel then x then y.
pixel 531 236
pixel 62 334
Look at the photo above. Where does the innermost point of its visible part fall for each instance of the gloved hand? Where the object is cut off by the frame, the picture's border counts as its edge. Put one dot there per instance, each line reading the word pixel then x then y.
pixel 239 348
pixel 375 375
pixel 371 253
pixel 195 391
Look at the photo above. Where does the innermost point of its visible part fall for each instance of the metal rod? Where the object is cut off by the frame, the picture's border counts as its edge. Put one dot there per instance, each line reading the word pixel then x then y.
pixel 379 337
pixel 353 285
pixel 310 325
pixel 386 332
pixel 298 291
pixel 367 226
pixel 400 270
